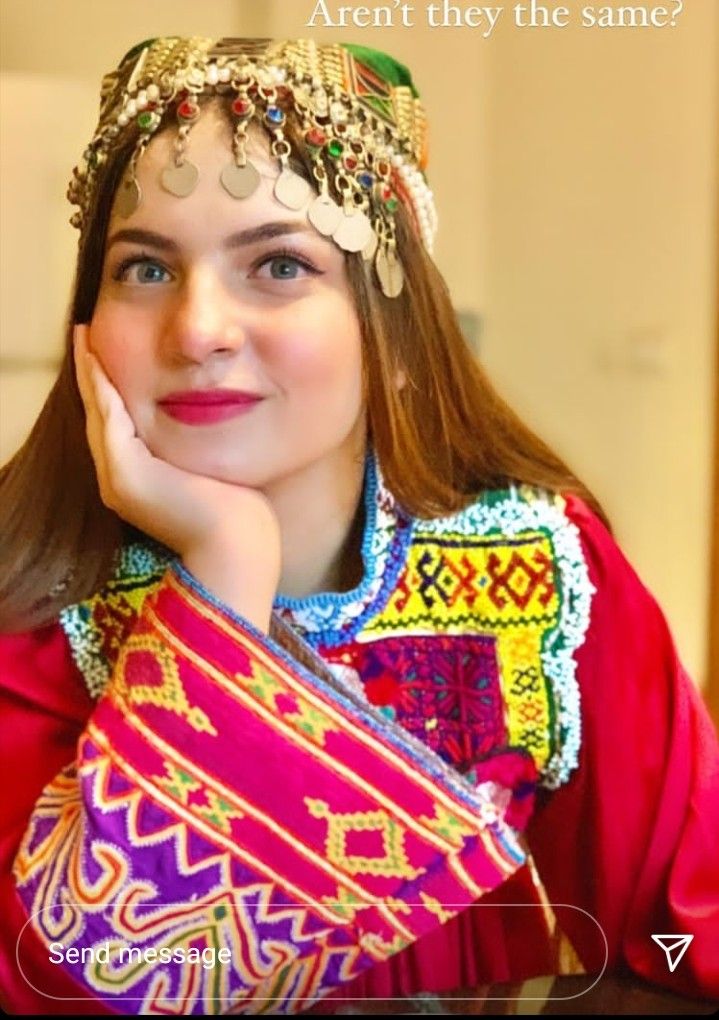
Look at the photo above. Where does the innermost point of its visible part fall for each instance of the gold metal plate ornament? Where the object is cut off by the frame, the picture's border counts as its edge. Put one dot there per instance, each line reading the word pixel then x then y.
pixel 291 190
pixel 368 252
pixel 353 232
pixel 389 272
pixel 240 181
pixel 324 214
pixel 128 197
pixel 180 180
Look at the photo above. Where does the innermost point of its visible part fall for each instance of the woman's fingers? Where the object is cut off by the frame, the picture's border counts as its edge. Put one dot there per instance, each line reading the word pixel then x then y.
pixel 111 405
pixel 82 371
pixel 117 451
pixel 93 420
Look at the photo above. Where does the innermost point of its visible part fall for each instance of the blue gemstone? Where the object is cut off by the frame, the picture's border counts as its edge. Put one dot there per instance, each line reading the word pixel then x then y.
pixel 366 180
pixel 275 114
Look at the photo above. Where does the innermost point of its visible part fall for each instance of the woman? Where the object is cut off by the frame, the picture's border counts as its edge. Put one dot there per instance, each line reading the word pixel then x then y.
pixel 308 626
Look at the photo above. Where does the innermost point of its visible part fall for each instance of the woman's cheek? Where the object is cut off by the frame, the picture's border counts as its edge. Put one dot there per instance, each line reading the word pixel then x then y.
pixel 127 372
pixel 112 345
pixel 323 354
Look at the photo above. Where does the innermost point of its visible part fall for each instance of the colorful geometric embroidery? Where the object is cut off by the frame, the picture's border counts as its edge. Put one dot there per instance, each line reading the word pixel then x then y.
pixel 455 583
pixel 463 628
pixel 97 627
pixel 443 689
pixel 305 717
pixel 364 842
pixel 370 89
pixel 189 791
pixel 163 685
pixel 167 837
pixel 536 644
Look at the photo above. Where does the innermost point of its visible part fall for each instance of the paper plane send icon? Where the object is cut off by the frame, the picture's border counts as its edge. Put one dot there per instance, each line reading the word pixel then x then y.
pixel 675 946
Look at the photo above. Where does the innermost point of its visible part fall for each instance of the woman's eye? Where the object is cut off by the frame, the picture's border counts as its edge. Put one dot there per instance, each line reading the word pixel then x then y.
pixel 285 267
pixel 141 271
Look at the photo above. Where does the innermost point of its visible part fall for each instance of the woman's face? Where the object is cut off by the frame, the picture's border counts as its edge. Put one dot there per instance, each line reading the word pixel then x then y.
pixel 208 293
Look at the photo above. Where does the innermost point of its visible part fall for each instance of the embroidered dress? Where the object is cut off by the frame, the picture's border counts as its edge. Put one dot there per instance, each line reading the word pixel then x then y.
pixel 497 669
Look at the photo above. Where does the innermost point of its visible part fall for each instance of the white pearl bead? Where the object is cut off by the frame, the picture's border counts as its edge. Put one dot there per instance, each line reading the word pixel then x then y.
pixel 338 113
pixel 223 73
pixel 142 101
pixel 153 92
pixel 131 108
pixel 123 119
pixel 212 74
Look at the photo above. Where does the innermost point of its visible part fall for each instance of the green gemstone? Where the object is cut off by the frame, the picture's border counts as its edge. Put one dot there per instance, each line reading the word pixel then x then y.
pixel 391 204
pixel 220 913
pixel 335 148
pixel 146 120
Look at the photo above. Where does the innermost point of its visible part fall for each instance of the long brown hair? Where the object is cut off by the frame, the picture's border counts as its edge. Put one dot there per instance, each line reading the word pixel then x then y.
pixel 441 439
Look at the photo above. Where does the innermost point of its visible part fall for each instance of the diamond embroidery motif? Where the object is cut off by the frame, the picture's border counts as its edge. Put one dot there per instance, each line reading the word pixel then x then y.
pixel 384 856
pixel 145 658
pixel 527 580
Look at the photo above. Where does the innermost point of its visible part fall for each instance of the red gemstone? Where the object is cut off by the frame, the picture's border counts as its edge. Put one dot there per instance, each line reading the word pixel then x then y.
pixel 241 107
pixel 382 691
pixel 315 137
pixel 188 110
pixel 387 194
pixel 350 163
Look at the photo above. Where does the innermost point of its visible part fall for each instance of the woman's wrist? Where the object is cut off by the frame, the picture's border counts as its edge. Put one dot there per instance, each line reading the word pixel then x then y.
pixel 245 584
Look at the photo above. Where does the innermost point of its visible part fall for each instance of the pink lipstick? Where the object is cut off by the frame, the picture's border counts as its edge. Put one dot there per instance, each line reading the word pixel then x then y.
pixel 205 407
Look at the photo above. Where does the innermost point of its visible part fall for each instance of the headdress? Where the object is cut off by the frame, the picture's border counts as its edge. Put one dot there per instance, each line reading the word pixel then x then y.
pixel 356 110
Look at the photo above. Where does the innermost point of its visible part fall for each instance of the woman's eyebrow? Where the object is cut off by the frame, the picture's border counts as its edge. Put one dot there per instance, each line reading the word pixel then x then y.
pixel 263 232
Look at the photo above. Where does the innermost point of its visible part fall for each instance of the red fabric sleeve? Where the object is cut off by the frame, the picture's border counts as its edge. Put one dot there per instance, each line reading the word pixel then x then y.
pixel 633 838
pixel 43 708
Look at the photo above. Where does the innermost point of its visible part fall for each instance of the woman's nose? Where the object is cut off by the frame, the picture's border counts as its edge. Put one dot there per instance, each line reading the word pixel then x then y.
pixel 206 319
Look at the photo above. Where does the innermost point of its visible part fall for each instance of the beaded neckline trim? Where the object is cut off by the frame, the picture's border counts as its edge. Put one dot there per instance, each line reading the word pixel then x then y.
pixel 331 618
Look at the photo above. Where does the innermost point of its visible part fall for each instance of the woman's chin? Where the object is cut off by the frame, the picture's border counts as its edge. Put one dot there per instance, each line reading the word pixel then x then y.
pixel 227 470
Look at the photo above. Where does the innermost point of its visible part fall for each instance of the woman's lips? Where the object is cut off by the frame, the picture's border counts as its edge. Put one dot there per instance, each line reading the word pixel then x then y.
pixel 204 407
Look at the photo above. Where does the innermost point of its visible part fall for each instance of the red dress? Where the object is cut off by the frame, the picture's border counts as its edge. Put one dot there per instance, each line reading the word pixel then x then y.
pixel 632 838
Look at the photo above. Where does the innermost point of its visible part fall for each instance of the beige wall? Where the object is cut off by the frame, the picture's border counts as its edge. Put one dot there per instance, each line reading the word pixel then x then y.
pixel 575 173
pixel 602 278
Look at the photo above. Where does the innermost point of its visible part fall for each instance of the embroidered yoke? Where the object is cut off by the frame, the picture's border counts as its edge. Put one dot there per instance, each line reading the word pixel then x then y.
pixel 460 635
pixel 463 629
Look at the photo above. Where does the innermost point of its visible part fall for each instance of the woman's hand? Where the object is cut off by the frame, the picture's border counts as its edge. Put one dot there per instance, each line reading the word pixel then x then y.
pixel 227 535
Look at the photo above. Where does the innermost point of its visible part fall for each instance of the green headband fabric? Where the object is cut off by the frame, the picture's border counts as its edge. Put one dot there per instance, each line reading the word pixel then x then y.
pixel 383 65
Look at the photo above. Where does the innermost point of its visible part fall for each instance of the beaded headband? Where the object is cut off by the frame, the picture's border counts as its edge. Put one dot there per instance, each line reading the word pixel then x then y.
pixel 357 112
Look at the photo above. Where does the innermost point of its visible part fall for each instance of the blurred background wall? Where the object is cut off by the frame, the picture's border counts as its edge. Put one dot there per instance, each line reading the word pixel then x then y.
pixel 575 172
